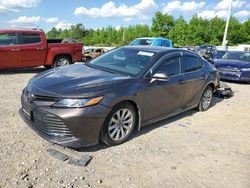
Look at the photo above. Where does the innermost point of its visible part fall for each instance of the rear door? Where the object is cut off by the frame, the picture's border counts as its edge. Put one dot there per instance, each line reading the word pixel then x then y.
pixel 193 79
pixel 10 50
pixel 34 50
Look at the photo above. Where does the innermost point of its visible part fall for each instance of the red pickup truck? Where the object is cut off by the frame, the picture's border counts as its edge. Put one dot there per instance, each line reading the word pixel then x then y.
pixel 21 48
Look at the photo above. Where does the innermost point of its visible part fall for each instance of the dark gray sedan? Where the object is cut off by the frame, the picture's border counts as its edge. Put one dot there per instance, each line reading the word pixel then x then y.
pixel 124 89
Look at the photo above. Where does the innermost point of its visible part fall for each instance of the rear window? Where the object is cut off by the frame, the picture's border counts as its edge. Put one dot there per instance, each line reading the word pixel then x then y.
pixel 31 38
pixel 190 64
pixel 8 39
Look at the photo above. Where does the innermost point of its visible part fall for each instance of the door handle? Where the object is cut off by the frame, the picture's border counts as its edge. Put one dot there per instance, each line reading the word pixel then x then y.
pixel 41 48
pixel 15 49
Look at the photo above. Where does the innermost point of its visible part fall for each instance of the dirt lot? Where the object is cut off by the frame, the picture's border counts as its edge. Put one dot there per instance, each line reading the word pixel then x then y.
pixel 194 149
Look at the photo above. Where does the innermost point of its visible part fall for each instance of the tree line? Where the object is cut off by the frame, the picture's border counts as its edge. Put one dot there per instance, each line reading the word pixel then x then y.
pixel 195 32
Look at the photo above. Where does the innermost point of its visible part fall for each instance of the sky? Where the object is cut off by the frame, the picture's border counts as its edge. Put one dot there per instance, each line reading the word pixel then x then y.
pixel 94 14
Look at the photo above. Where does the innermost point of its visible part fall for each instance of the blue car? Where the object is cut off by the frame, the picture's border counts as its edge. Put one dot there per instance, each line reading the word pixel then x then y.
pixel 152 41
pixel 234 66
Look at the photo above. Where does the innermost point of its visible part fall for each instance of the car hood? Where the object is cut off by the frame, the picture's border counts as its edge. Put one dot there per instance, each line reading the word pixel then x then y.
pixel 74 81
pixel 231 63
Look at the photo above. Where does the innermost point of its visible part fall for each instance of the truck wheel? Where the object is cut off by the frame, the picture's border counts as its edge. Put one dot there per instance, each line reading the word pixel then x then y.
pixel 47 66
pixel 61 61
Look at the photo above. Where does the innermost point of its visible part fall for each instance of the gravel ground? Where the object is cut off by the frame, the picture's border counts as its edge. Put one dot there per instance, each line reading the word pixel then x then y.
pixel 194 149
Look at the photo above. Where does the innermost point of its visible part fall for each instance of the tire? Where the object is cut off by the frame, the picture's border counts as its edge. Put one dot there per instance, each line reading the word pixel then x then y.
pixel 116 130
pixel 206 99
pixel 47 66
pixel 61 61
pixel 88 59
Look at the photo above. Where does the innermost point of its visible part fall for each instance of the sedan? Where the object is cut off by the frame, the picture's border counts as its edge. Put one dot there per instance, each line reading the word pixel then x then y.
pixel 234 66
pixel 116 93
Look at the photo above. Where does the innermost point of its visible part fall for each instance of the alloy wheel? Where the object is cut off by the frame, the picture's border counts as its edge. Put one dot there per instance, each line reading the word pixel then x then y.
pixel 120 124
pixel 206 99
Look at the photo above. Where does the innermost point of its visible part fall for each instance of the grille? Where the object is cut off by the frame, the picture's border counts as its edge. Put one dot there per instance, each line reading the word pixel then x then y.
pixel 227 69
pixel 50 125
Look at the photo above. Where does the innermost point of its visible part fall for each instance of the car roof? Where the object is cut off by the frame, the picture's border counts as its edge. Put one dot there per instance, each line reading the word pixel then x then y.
pixel 157 49
pixel 20 30
pixel 151 38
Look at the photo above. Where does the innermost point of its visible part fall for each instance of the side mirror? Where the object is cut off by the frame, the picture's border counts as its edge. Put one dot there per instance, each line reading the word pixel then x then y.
pixel 159 76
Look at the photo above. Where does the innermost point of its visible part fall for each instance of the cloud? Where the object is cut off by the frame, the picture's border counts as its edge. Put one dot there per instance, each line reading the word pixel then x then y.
pixel 63 25
pixel 242 13
pixel 110 9
pixel 209 14
pixel 52 20
pixel 224 4
pixel 27 20
pixel 185 6
pixel 17 5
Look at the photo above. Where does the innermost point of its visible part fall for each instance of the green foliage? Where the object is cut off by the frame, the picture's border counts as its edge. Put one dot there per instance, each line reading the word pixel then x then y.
pixel 178 34
pixel 197 31
pixel 245 31
pixel 162 24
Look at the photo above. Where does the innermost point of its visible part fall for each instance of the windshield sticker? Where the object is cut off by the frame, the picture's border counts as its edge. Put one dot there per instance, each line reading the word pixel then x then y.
pixel 150 54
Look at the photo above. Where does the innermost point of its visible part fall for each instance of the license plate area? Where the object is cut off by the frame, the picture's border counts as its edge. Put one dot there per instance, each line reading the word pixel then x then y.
pixel 28 113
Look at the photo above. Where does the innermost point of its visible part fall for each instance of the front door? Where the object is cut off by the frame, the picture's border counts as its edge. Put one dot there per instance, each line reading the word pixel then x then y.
pixel 10 51
pixel 163 98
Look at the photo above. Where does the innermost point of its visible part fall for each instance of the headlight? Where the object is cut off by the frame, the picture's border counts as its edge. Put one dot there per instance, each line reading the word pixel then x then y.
pixel 77 103
pixel 245 69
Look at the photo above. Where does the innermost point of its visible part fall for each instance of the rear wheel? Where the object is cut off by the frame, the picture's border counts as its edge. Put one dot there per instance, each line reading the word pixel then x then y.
pixel 61 61
pixel 206 99
pixel 119 124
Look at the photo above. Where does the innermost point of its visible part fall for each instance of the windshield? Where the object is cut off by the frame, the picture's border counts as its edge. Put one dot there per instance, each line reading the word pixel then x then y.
pixel 123 60
pixel 142 42
pixel 242 56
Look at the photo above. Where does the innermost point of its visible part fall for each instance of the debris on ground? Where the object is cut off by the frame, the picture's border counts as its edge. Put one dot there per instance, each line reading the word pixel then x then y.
pixel 57 154
pixel 84 161
pixel 224 91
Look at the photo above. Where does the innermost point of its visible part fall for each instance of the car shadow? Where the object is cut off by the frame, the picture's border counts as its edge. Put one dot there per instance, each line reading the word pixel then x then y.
pixel 163 123
pixel 35 70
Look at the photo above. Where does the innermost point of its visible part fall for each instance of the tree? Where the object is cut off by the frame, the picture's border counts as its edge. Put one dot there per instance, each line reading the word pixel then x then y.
pixel 53 33
pixel 196 31
pixel 162 24
pixel 77 32
pixel 245 31
pixel 215 31
pixel 178 33
pixel 234 33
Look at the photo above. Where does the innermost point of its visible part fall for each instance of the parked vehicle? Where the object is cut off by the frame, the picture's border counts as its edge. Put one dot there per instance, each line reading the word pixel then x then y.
pixel 206 51
pixel 92 53
pixel 218 54
pixel 122 90
pixel 234 66
pixel 21 48
pixel 152 41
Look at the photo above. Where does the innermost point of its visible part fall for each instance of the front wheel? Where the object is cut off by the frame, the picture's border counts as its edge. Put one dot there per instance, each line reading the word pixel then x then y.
pixel 206 99
pixel 61 61
pixel 119 124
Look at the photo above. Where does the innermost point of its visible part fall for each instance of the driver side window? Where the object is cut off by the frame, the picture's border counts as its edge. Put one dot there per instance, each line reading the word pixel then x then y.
pixel 170 66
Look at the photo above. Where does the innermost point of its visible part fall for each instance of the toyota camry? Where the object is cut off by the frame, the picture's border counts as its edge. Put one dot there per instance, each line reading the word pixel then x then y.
pixel 121 91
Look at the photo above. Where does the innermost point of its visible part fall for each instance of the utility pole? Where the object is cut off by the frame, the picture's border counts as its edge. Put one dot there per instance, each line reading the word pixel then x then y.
pixel 224 43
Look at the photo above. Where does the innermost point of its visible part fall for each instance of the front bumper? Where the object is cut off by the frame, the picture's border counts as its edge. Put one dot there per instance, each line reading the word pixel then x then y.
pixel 74 127
pixel 235 76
